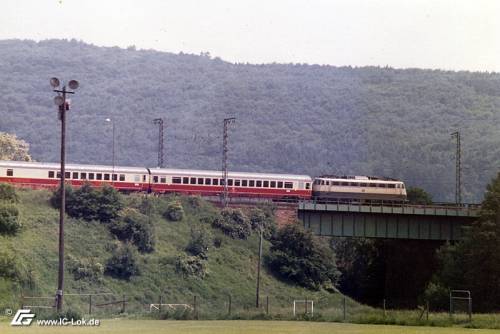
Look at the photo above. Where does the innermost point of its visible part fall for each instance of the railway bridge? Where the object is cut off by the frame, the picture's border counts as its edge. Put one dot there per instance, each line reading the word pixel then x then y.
pixel 424 222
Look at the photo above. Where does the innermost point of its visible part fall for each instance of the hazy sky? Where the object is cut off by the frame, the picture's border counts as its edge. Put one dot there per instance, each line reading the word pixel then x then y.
pixel 445 34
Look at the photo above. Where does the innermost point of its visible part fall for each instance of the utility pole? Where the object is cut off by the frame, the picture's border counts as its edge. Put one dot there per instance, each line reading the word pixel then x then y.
pixel 458 169
pixel 259 264
pixel 227 121
pixel 63 106
pixel 159 121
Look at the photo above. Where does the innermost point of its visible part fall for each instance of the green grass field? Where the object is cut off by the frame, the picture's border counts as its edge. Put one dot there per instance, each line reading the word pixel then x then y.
pixel 243 327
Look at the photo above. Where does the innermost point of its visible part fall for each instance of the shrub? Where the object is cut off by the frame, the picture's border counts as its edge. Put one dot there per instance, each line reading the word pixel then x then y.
pixel 87 269
pixel 437 296
pixel 201 239
pixel 174 212
pixel 123 264
pixel 190 266
pixel 134 227
pixel 9 219
pixel 8 266
pixel 298 257
pixel 264 218
pixel 233 223
pixel 8 193
pixel 89 203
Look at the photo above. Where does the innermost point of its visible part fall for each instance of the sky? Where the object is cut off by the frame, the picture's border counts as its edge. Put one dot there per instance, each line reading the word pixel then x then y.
pixel 436 34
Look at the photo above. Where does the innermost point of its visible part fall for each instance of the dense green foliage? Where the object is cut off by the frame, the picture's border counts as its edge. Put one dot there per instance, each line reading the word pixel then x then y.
pixel 299 258
pixel 417 195
pixel 201 240
pixel 123 263
pixel 134 227
pixel 89 203
pixel 9 219
pixel 474 263
pixel 174 211
pixel 233 222
pixel 8 193
pixel 293 118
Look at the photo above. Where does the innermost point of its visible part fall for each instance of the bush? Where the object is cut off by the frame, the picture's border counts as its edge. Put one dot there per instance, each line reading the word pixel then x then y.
pixel 190 266
pixel 8 266
pixel 8 193
pixel 174 212
pixel 123 264
pixel 264 218
pixel 89 203
pixel 134 227
pixel 298 257
pixel 87 269
pixel 233 223
pixel 9 219
pixel 437 296
pixel 201 239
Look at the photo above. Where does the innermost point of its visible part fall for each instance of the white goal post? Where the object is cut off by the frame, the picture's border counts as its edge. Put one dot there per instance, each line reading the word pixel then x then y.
pixel 305 307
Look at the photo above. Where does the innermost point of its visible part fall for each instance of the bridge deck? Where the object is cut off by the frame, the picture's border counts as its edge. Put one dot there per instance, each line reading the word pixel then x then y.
pixel 426 222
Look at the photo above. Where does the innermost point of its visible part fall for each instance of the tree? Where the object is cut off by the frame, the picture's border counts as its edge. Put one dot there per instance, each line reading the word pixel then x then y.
pixel 12 148
pixel 297 256
pixel 134 227
pixel 474 262
pixel 417 195
pixel 123 264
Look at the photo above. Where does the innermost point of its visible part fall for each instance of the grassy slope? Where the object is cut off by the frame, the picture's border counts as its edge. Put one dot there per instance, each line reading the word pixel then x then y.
pixel 231 267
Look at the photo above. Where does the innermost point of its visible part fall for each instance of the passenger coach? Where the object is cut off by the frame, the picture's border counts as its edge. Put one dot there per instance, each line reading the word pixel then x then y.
pixel 211 183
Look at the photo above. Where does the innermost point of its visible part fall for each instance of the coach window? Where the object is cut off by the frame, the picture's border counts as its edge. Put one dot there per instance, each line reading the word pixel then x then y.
pixel 83 176
pixel 143 178
pixel 280 184
pixel 155 179
pixel 258 184
pixel 373 185
pixel 192 180
pixel 208 182
pixel 122 177
pixel 115 177
pixel 390 186
pixel 244 183
pixel 67 175
pixel 75 175
pixel 185 180
pixel 288 185
pixel 215 182
pixel 327 183
pixel 163 179
pixel 251 183
pixel 175 179
pixel 10 172
pixel 344 184
pixel 362 184
pixel 273 184
pixel 221 182
pixel 91 176
pixel 354 184
pixel 237 183
pixel 98 176
pixel 403 186
pixel 200 180
pixel 51 174
pixel 266 184
pixel 308 185
pixel 106 177
pixel 230 182
pixel 382 185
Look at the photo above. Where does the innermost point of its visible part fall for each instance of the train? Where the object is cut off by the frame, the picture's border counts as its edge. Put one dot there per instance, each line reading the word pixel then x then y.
pixel 205 182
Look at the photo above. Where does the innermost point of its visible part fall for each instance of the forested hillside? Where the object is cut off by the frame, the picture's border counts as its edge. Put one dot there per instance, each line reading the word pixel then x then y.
pixel 293 118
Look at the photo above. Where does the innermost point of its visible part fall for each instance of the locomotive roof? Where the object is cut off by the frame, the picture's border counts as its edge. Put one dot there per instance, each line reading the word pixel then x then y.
pixel 357 178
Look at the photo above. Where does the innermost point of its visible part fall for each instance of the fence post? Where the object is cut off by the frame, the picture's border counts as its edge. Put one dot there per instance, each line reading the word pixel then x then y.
pixel 123 304
pixel 90 304
pixel 195 307
pixel 470 309
pixel 267 305
pixel 305 305
pixel 22 300
pixel 427 308
pixel 344 307
pixel 229 306
pixel 384 308
pixel 161 302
